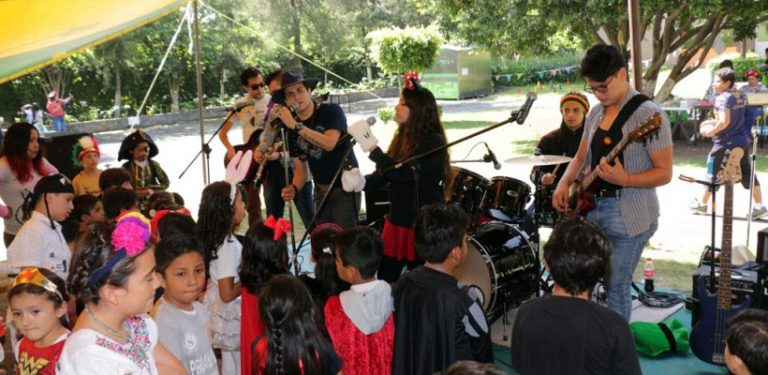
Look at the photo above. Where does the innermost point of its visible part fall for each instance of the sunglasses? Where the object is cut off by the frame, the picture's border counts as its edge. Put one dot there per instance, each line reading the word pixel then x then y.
pixel 602 88
pixel 258 86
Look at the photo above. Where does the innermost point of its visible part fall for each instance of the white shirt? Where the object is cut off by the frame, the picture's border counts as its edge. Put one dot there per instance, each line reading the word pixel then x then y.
pixel 39 245
pixel 11 190
pixel 252 117
pixel 228 260
pixel 89 352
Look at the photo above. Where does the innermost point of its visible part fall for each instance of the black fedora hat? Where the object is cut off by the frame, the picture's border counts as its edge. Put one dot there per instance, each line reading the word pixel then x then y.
pixel 290 79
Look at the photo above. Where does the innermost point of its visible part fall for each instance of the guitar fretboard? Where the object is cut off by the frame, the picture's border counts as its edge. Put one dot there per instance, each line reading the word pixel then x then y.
pixel 724 290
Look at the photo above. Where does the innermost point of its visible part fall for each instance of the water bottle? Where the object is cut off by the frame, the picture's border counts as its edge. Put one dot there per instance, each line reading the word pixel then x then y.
pixel 648 271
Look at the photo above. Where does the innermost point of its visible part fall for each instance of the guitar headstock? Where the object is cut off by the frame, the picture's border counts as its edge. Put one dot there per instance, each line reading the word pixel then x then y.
pixel 730 171
pixel 651 125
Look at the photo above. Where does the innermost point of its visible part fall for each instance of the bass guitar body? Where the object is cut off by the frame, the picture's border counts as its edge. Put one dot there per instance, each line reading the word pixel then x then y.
pixel 708 336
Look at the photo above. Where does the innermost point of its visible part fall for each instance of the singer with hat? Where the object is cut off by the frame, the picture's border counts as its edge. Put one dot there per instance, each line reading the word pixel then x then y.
pixel 411 186
pixel 250 111
pixel 313 137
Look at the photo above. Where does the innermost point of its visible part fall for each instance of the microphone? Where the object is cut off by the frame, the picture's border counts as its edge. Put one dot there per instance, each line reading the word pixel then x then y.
pixel 491 157
pixel 239 107
pixel 371 120
pixel 270 131
pixel 522 113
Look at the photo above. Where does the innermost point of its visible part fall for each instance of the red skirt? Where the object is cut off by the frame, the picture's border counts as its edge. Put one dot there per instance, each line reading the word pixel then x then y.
pixel 398 242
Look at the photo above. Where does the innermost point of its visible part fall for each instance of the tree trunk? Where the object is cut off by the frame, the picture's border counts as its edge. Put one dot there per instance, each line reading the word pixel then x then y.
pixel 173 84
pixel 118 93
pixel 222 91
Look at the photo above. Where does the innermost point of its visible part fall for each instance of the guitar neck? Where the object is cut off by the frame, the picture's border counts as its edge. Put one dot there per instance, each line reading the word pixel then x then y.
pixel 724 290
pixel 612 155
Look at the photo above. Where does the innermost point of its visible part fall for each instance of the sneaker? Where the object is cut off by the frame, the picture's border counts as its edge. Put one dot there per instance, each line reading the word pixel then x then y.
pixel 699 209
pixel 759 213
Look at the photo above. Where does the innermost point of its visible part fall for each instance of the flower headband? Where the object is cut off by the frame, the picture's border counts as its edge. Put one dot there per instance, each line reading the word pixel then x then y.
pixel 412 81
pixel 32 275
pixel 129 238
pixel 279 226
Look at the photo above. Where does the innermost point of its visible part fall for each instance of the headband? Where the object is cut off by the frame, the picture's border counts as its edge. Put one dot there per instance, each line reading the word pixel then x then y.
pixel 32 275
pixel 412 81
pixel 279 226
pixel 753 73
pixel 129 238
pixel 577 97
pixel 84 145
pixel 237 168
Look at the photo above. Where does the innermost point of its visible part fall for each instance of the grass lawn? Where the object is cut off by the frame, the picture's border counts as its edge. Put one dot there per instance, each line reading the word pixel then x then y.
pixel 465 124
pixel 669 274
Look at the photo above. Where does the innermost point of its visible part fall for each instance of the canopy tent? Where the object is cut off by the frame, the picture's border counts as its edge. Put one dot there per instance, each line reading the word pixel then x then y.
pixel 36 33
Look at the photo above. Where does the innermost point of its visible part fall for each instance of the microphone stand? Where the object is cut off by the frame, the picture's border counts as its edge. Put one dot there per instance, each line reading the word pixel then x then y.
pixel 206 148
pixel 286 155
pixel 712 186
pixel 751 184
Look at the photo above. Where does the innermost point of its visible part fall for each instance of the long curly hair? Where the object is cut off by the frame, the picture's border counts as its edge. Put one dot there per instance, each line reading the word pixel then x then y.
pixel 15 145
pixel 263 258
pixel 423 121
pixel 286 310
pixel 214 219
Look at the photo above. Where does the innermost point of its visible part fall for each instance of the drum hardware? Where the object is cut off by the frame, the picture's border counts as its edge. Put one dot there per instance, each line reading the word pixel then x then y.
pixel 538 160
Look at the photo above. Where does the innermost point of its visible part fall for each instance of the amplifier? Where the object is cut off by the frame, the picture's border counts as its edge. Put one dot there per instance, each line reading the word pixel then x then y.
pixel 762 246
pixel 376 206
pixel 743 283
pixel 57 149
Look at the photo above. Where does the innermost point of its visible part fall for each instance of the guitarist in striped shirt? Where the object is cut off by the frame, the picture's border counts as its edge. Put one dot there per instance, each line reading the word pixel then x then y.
pixel 626 205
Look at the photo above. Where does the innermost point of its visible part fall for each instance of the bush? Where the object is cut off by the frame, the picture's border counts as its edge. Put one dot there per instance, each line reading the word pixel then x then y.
pixel 386 114
pixel 527 67
pixel 741 66
pixel 405 50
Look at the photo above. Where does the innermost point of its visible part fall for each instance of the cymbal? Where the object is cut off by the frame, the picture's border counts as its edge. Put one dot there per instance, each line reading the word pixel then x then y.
pixel 538 160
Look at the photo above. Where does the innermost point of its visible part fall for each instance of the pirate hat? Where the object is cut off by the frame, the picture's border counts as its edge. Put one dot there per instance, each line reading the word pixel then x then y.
pixel 130 142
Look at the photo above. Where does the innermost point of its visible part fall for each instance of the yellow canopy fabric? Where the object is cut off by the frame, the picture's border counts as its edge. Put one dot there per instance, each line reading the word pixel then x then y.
pixel 35 33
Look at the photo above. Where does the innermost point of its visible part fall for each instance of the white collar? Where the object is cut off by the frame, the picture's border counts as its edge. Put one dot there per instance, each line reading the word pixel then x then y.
pixel 142 164
pixel 365 287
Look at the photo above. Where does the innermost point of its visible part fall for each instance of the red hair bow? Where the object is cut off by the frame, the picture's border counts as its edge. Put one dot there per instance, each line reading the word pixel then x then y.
pixel 410 80
pixel 279 226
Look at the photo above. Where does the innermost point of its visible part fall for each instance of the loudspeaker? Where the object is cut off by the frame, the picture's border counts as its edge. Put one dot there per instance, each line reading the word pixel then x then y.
pixel 762 246
pixel 57 148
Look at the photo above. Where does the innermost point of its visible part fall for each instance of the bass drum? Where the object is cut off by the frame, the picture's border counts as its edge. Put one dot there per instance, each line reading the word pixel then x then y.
pixel 468 190
pixel 501 263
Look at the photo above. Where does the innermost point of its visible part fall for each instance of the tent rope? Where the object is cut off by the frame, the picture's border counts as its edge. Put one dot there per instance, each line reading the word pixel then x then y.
pixel 284 48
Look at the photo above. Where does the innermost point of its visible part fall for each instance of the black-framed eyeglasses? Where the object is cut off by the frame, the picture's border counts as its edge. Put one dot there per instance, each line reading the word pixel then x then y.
pixel 602 88
pixel 257 86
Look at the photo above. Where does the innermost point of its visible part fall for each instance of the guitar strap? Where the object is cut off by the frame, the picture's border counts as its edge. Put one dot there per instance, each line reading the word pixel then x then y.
pixel 615 130
pixel 670 337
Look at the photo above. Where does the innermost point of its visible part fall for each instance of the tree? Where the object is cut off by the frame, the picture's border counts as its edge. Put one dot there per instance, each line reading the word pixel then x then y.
pixel 686 28
pixel 405 50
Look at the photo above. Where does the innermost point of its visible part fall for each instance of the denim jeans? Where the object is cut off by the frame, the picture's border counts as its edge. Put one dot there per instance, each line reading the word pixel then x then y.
pixel 341 208
pixel 626 252
pixel 58 123
pixel 275 181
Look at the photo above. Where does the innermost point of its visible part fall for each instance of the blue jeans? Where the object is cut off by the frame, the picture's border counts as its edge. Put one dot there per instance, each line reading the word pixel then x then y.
pixel 275 181
pixel 626 252
pixel 58 123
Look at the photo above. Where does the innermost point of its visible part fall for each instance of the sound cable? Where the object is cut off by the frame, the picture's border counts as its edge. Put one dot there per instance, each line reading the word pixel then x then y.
pixel 657 299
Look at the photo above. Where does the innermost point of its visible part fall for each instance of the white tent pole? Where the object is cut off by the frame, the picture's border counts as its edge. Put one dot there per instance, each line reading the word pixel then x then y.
pixel 199 79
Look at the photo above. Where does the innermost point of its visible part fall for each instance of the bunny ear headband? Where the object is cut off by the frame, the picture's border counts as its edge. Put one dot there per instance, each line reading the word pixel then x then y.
pixel 236 171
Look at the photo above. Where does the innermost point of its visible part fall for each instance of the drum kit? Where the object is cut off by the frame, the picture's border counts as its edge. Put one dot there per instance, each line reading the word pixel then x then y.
pixel 502 260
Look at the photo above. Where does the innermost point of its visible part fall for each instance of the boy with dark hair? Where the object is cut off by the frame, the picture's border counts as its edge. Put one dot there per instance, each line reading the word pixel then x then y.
pixel 729 132
pixel 746 343
pixel 114 177
pixel 118 200
pixel 565 332
pixel 174 224
pixel 183 322
pixel 359 320
pixel 437 322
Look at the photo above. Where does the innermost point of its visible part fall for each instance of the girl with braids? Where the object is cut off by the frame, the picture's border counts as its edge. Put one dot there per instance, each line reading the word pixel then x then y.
pixel 265 254
pixel 293 344
pixel 113 274
pixel 38 304
pixel 414 185
pixel 219 214
pixel 21 165
pixel 40 242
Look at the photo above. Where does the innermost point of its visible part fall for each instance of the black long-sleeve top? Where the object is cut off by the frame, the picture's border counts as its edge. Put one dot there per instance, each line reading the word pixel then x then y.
pixel 404 198
pixel 561 141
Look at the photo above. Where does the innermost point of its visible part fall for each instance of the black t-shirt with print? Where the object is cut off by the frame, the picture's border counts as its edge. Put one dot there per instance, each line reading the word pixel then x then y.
pixel 322 164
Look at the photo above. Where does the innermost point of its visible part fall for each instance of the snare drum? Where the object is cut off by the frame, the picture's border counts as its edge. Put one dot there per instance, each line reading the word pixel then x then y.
pixel 468 190
pixel 508 195
pixel 500 262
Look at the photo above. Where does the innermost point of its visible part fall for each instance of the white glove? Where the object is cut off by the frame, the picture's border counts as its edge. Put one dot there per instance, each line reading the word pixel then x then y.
pixel 361 132
pixel 352 180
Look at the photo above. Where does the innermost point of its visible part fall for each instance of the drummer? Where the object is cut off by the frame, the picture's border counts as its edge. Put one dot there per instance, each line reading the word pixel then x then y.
pixel 563 141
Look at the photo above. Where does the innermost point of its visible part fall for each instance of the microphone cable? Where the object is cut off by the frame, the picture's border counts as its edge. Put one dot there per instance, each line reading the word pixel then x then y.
pixel 657 299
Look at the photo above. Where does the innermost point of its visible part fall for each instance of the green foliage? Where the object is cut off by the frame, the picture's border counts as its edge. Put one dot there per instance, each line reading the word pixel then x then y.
pixel 405 50
pixel 742 65
pixel 386 114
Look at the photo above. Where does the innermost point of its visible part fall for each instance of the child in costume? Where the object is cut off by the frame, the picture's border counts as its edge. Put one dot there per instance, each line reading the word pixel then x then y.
pixel 146 174
pixel 86 154
pixel 38 304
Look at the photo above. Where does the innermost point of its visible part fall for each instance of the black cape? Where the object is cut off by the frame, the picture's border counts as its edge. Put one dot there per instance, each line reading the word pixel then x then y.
pixel 429 328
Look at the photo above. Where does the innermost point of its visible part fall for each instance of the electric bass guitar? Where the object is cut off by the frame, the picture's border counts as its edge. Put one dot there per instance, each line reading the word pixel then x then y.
pixel 708 335
pixel 582 192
